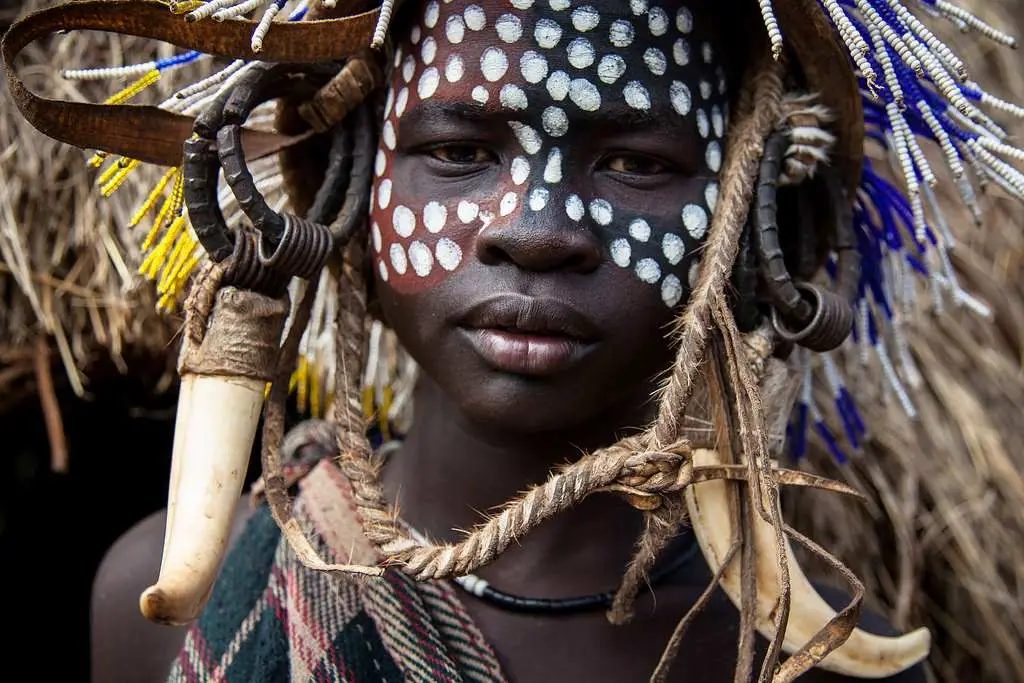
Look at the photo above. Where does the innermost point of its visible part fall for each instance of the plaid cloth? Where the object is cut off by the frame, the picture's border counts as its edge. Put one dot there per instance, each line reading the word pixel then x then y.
pixel 270 619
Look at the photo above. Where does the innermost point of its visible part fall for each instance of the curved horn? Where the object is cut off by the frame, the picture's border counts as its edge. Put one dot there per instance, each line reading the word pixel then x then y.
pixel 863 655
pixel 212 447
pixel 224 372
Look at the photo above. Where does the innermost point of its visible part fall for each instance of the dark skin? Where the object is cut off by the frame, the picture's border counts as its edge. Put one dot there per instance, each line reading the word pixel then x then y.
pixel 488 425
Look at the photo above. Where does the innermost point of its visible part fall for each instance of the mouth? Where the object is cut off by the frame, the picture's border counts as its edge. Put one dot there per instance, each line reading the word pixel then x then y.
pixel 528 336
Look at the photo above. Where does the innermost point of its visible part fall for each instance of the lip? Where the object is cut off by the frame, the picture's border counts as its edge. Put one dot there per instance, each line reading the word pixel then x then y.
pixel 528 336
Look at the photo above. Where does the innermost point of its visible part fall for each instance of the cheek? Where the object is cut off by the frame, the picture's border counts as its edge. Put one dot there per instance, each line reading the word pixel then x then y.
pixel 662 251
pixel 418 242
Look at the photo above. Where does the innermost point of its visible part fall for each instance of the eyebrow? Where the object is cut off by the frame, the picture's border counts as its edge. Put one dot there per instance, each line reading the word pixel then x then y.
pixel 616 115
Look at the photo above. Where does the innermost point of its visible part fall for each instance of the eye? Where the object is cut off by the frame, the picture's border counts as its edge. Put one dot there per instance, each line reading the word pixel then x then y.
pixel 635 164
pixel 461 154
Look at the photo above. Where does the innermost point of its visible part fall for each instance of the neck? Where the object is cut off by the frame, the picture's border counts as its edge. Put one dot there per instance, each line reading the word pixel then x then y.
pixel 449 473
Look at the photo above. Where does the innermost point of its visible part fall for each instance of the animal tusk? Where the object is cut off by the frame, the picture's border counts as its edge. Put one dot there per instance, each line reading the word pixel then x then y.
pixel 211 452
pixel 863 655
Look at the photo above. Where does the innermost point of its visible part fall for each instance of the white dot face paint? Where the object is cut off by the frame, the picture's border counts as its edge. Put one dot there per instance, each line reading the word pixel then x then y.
pixel 673 247
pixel 640 230
pixel 547 33
pixel 435 216
pixel 601 211
pixel 711 196
pixel 695 220
pixel 509 28
pixel 681 52
pixel 584 94
pixel 703 124
pixel 684 20
pixel 493 64
pixel 621 33
pixel 375 236
pixel 408 68
pixel 388 135
pixel 528 137
pixel 713 156
pixel 680 97
pixel 574 208
pixel 655 61
pixel 404 221
pixel 384 193
pixel 671 291
pixel 555 121
pixel 475 18
pixel 399 263
pixel 611 68
pixel 636 96
pixel 693 275
pixel 431 13
pixel 520 170
pixel 455 29
pixel 454 69
pixel 648 270
pixel 717 121
pixel 428 83
pixel 428 50
pixel 513 97
pixel 448 253
pixel 421 258
pixel 552 71
pixel 401 101
pixel 467 211
pixel 539 198
pixel 657 21
pixel 585 18
pixel 620 252
pixel 558 85
pixel 581 53
pixel 508 203
pixel 533 66
pixel 553 169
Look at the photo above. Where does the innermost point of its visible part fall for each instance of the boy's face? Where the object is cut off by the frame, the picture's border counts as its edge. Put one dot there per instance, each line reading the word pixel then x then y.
pixel 547 171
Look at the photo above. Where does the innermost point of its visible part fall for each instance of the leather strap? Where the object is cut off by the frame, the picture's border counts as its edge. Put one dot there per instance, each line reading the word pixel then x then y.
pixel 146 132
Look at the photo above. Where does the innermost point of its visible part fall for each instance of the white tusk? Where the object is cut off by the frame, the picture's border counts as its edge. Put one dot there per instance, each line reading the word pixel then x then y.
pixel 863 655
pixel 213 438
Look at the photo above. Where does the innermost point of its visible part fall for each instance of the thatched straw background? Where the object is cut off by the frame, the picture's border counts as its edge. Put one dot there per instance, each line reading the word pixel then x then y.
pixel 942 542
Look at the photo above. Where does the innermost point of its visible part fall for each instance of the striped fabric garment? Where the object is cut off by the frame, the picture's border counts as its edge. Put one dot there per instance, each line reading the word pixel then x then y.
pixel 270 619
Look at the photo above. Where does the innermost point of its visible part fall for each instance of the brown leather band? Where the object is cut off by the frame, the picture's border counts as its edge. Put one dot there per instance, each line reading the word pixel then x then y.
pixel 146 132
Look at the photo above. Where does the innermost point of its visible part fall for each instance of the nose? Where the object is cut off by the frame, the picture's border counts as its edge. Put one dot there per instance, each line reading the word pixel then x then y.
pixel 541 242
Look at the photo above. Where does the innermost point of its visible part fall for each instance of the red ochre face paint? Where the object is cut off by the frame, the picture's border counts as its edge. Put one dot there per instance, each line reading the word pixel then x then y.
pixel 607 117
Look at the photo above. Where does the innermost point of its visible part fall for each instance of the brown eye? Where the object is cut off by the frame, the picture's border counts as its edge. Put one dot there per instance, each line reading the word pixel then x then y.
pixel 461 154
pixel 635 165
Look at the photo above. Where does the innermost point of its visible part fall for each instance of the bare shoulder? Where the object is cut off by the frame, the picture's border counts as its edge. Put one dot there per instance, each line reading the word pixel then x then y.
pixel 125 647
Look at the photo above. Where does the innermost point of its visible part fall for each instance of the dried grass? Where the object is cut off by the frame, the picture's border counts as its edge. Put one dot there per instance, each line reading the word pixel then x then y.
pixel 68 264
pixel 941 542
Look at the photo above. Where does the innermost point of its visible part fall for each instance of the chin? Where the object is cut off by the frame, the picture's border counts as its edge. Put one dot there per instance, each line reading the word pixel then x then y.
pixel 509 405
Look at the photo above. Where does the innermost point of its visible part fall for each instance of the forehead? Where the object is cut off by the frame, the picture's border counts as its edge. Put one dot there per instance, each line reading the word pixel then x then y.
pixel 502 53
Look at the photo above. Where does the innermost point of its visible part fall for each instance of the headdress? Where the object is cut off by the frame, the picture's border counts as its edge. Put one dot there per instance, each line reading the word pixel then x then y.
pixel 826 81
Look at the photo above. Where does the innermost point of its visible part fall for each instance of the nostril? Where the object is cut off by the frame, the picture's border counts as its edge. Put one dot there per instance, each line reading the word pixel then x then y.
pixel 494 255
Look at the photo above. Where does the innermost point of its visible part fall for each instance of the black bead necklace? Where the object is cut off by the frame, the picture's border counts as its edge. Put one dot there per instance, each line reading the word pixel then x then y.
pixel 479 588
